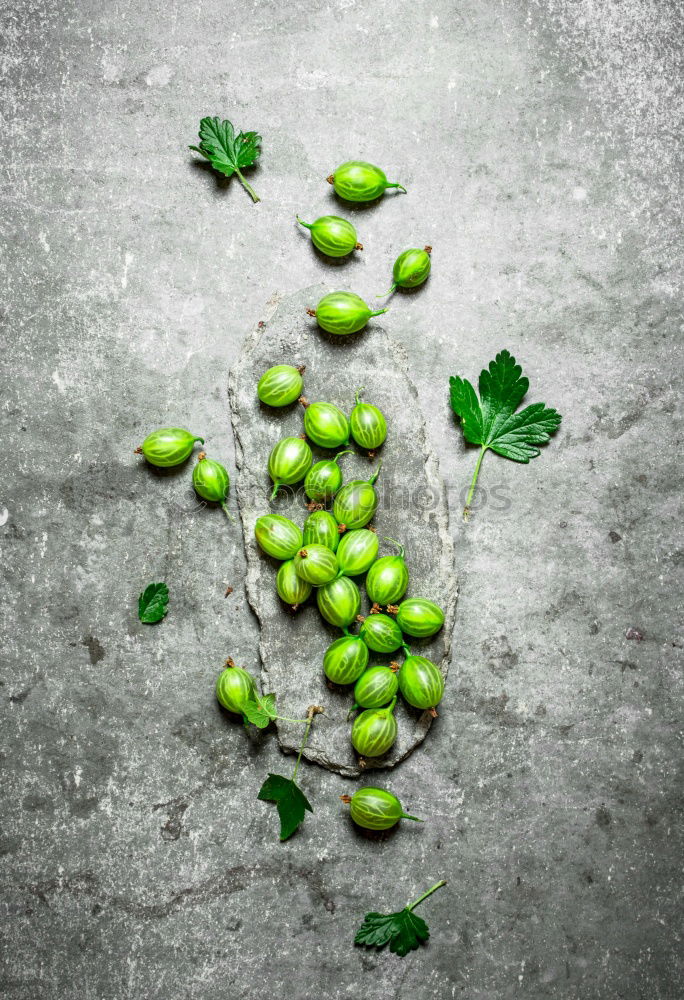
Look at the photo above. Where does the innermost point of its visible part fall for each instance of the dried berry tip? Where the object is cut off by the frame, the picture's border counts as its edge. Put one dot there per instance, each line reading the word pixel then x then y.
pixel 330 178
pixel 202 455
pixel 341 528
pixel 346 799
pixel 304 401
pixel 138 451
pixel 311 312
pixel 376 609
pixel 394 666
pixel 358 246
pixel 229 590
pixel 360 618
pixel 432 712
pixel 392 609
pixel 303 553
pixel 427 249
pixel 301 369
pixel 229 662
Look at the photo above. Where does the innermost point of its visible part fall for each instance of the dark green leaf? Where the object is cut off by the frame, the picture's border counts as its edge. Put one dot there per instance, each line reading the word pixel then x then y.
pixel 492 421
pixel 403 931
pixel 260 710
pixel 152 603
pixel 226 151
pixel 291 801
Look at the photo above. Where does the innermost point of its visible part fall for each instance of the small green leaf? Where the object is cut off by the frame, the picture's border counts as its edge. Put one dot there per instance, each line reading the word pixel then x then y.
pixel 403 931
pixel 152 603
pixel 226 151
pixel 261 710
pixel 292 803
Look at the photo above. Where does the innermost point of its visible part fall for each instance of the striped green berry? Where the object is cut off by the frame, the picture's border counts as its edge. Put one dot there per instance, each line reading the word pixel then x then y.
pixel 374 731
pixel 326 425
pixel 388 578
pixel 289 462
pixel 368 425
pixel 376 808
pixel 381 633
pixel 234 687
pixel 316 564
pixel 278 536
pixel 357 180
pixel 280 385
pixel 421 682
pixel 332 235
pixel 291 588
pixel 168 446
pixel 375 687
pixel 357 551
pixel 321 528
pixel 339 601
pixel 324 479
pixel 356 502
pixel 343 313
pixel 345 659
pixel 419 617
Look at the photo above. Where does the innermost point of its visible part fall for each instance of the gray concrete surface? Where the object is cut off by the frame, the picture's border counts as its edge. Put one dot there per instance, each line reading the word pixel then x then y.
pixel 540 144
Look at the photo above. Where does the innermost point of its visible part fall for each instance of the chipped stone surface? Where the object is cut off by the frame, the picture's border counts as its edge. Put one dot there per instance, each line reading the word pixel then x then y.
pixel 412 509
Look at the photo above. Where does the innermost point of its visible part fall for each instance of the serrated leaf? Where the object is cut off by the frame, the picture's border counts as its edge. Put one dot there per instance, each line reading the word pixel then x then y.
pixel 152 603
pixel 492 421
pixel 226 151
pixel 403 931
pixel 292 803
pixel 260 710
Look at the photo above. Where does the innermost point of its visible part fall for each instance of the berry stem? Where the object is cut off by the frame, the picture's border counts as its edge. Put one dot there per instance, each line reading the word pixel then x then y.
pixel 224 508
pixel 415 820
pixel 375 475
pixel 358 393
pixel 341 453
pixel 307 225
pixel 398 544
pixel 437 885
pixel 276 487
pixel 466 509
pixel 400 186
pixel 378 312
pixel 389 291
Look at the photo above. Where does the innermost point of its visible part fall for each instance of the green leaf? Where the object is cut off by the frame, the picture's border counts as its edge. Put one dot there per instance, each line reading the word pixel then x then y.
pixel 226 151
pixel 152 603
pixel 403 931
pixel 291 801
pixel 261 710
pixel 492 421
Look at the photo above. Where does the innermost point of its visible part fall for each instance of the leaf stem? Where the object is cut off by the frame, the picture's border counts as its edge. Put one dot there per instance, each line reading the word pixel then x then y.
pixel 437 885
pixel 466 509
pixel 313 710
pixel 248 187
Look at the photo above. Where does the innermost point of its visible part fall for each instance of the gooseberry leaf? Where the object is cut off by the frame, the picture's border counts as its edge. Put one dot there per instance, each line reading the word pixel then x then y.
pixel 403 931
pixel 226 151
pixel 492 421
pixel 260 710
pixel 291 801
pixel 152 603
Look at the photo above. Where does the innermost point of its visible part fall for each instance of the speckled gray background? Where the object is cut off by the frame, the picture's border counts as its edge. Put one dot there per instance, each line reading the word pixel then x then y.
pixel 540 143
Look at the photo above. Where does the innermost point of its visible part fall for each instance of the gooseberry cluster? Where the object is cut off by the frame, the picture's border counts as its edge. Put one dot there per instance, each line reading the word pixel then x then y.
pixel 337 546
pixel 344 313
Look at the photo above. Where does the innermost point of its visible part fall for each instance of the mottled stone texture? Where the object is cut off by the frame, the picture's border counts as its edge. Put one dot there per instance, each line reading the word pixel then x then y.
pixel 411 508
pixel 540 144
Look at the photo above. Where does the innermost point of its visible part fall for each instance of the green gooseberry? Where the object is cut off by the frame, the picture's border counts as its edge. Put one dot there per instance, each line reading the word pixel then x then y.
pixel 211 481
pixel 317 564
pixel 168 446
pixel 343 313
pixel 374 731
pixel 321 528
pixel 381 633
pixel 289 462
pixel 420 681
pixel 345 659
pixel 280 385
pixel 368 425
pixel 278 536
pixel 325 424
pixel 339 601
pixel 234 688
pixel 375 687
pixel 333 236
pixel 419 617
pixel 388 578
pixel 357 180
pixel 291 588
pixel 411 268
pixel 324 479
pixel 356 502
pixel 376 809
pixel 357 551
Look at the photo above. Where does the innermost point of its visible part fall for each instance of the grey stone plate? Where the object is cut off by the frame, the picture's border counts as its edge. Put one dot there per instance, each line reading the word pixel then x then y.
pixel 412 509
